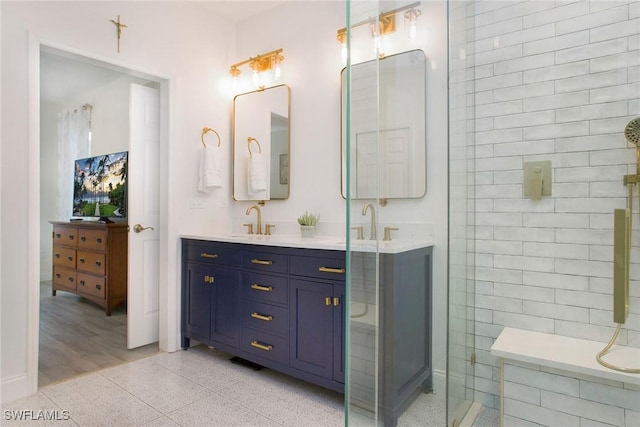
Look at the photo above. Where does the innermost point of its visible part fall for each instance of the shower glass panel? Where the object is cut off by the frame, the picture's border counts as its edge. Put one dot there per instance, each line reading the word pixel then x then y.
pixel 461 280
pixel 388 315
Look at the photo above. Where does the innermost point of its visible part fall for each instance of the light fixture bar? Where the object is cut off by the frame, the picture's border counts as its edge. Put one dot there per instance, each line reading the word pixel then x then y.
pixel 383 18
pixel 258 63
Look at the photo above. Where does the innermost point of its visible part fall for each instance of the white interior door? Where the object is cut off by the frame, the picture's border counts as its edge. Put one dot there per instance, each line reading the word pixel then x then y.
pixel 143 213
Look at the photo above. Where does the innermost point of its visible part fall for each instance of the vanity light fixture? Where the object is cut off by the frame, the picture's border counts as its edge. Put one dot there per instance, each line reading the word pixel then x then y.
pixel 384 24
pixel 262 63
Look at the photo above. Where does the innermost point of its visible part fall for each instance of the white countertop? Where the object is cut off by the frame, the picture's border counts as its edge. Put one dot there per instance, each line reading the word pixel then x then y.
pixel 318 242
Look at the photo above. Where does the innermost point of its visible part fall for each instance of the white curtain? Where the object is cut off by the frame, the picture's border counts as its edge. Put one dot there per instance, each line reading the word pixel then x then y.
pixel 74 142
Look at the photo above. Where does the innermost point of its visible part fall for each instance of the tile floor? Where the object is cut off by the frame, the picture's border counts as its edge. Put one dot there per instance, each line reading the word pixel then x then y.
pixel 199 387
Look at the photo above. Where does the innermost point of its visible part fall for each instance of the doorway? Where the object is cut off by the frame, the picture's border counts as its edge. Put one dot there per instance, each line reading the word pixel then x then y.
pixel 75 333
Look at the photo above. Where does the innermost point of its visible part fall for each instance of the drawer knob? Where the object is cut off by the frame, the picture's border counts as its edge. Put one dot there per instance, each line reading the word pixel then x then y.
pixel 71 279
pixel 207 255
pixel 264 347
pixel 98 263
pixel 261 317
pixel 58 235
pixel 70 258
pixel 83 238
pixel 98 287
pixel 57 255
pixel 331 270
pixel 82 260
pixel 81 282
pixel 261 288
pixel 71 237
pixel 58 275
pixel 99 240
pixel 261 262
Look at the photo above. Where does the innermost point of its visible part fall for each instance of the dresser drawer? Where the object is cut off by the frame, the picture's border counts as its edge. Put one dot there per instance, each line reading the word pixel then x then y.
pixel 320 267
pixel 91 285
pixel 265 345
pixel 265 261
pixel 266 288
pixel 91 262
pixel 65 257
pixel 92 239
pixel 64 278
pixel 65 235
pixel 212 253
pixel 266 317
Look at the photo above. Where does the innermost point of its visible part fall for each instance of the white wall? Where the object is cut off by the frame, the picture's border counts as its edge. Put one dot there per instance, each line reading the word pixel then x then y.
pixel 48 182
pixel 553 81
pixel 194 49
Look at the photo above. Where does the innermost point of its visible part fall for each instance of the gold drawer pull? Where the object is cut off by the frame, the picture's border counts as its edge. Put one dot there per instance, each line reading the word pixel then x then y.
pixel 332 270
pixel 256 344
pixel 261 262
pixel 262 317
pixel 261 288
pixel 327 301
pixel 209 279
pixel 206 255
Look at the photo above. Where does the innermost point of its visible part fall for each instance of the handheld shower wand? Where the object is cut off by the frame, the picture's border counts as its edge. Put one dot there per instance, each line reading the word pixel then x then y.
pixel 622 250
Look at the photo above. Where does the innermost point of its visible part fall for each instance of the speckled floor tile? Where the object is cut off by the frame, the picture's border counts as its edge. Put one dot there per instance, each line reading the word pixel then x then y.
pixel 93 400
pixel 155 385
pixel 217 411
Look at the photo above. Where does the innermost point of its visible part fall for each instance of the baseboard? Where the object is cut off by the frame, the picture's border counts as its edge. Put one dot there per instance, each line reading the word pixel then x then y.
pixel 15 388
pixel 471 415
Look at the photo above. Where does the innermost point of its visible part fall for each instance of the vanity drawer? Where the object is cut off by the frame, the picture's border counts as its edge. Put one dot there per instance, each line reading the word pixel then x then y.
pixel 263 344
pixel 65 257
pixel 321 267
pixel 212 253
pixel 265 261
pixel 67 236
pixel 91 285
pixel 92 239
pixel 266 317
pixel 91 262
pixel 263 287
pixel 64 278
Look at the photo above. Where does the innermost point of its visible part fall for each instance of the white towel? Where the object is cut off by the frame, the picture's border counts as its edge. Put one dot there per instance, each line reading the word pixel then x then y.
pixel 257 174
pixel 210 175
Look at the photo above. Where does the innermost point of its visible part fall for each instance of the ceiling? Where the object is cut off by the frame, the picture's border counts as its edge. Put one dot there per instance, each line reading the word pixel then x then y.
pixel 65 77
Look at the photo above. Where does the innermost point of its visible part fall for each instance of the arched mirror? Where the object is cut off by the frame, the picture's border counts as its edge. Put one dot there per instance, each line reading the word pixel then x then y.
pixel 261 133
pixel 388 146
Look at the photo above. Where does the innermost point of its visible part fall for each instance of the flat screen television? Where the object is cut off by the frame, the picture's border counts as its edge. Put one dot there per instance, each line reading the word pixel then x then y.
pixel 100 186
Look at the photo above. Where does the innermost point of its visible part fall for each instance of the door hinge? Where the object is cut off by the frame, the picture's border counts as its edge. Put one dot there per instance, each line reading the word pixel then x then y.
pixel 472 359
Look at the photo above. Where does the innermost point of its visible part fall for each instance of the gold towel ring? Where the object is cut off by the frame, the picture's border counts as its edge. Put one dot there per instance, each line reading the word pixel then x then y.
pixel 249 139
pixel 205 130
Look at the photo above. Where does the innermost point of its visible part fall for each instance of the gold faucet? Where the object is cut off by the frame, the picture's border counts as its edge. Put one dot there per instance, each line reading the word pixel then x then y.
pixel 259 213
pixel 372 236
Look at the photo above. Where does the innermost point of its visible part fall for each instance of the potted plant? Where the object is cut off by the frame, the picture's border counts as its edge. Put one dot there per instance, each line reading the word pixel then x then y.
pixel 308 223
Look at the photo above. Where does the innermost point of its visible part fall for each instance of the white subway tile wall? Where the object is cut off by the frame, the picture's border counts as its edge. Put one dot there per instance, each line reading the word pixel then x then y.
pixel 559 81
pixel 536 396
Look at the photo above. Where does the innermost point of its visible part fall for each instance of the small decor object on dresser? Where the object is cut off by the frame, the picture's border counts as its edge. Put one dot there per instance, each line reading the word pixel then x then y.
pixel 308 223
pixel 90 259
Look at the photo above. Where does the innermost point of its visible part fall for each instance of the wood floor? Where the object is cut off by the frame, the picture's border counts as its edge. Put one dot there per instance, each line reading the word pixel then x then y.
pixel 77 337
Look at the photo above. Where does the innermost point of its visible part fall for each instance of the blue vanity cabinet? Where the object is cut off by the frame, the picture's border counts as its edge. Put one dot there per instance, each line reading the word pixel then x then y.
pixel 211 294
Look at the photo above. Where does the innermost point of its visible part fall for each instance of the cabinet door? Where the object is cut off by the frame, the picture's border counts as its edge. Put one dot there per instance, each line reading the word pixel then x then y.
pixel 197 300
pixel 311 327
pixel 225 313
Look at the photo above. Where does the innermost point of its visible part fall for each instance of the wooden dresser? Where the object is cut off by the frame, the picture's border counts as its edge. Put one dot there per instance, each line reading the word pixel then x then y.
pixel 90 259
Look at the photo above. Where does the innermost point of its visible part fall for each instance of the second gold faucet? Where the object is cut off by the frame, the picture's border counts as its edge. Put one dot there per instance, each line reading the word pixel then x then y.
pixel 259 214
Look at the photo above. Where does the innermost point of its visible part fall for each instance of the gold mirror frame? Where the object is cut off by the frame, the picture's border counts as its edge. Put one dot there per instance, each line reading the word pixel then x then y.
pixel 261 126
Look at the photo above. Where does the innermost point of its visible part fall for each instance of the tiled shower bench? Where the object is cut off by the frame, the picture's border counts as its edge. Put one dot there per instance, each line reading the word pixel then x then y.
pixel 551 380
